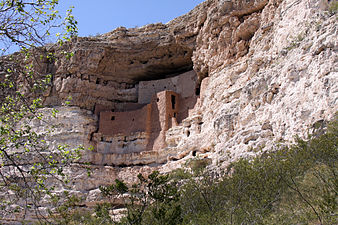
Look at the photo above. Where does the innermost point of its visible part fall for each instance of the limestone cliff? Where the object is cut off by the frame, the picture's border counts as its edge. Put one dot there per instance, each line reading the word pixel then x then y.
pixel 229 79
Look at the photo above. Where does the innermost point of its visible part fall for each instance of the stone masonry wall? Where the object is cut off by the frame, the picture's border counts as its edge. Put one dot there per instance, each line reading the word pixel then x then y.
pixel 139 130
pixel 125 123
pixel 184 84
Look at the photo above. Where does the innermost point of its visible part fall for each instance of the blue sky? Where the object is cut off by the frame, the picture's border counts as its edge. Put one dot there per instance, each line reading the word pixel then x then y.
pixel 101 16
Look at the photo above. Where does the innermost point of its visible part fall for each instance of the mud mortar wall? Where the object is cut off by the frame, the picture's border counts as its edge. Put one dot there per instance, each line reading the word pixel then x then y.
pixel 125 123
pixel 150 123
pixel 184 84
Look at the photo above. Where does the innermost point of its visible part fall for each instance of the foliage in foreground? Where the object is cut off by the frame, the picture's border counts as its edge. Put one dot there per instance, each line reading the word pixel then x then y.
pixel 30 169
pixel 291 185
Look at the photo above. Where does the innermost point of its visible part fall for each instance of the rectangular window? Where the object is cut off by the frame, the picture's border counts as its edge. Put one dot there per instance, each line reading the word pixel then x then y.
pixel 173 101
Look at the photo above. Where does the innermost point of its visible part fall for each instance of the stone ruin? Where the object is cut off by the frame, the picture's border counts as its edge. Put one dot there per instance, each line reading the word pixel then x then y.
pixel 141 127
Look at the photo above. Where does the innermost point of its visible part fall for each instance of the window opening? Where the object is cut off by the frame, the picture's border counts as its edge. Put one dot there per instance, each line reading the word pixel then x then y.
pixel 197 91
pixel 173 101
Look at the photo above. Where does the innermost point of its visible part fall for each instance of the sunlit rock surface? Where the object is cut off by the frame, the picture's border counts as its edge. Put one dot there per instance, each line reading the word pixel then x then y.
pixel 265 71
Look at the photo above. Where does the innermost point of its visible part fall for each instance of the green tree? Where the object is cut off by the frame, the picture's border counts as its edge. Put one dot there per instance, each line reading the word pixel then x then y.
pixel 29 23
pixel 153 200
pixel 29 168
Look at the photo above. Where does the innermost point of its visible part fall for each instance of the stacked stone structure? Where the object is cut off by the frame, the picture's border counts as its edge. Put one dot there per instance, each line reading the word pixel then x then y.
pixel 140 128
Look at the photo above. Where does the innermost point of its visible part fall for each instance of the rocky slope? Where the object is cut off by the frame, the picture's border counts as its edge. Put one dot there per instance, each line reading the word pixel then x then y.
pixel 266 70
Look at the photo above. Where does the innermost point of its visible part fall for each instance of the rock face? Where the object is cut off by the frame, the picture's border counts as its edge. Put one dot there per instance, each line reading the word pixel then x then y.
pixel 264 71
pixel 259 67
pixel 284 83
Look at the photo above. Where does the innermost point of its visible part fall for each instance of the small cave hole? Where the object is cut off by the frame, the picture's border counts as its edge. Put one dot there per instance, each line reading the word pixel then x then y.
pixel 173 101
pixel 133 119
pixel 165 87
pixel 144 62
pixel 188 133
pixel 113 118
pixel 131 62
pixel 194 153
pixel 157 99
pixel 175 115
pixel 98 81
pixel 198 91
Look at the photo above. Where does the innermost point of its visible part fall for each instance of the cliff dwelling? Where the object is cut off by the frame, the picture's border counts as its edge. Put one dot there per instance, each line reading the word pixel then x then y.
pixel 141 126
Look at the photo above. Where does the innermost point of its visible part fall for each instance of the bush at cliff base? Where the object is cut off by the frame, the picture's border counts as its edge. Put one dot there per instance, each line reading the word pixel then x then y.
pixel 289 185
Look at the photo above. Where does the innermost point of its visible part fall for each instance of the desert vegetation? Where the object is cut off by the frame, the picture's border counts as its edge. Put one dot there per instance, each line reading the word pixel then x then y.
pixel 29 168
pixel 288 185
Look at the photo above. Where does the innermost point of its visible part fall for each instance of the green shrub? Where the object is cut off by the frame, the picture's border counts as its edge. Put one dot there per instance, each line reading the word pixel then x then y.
pixel 197 165
pixel 295 185
pixel 333 7
pixel 291 185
